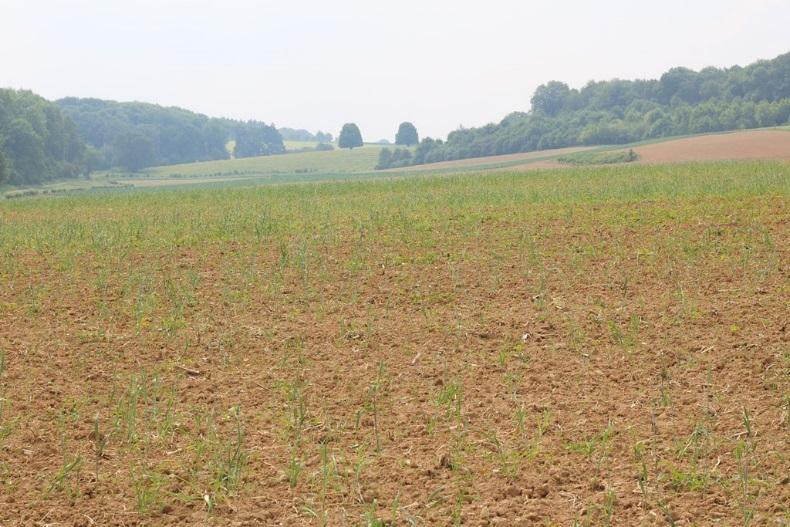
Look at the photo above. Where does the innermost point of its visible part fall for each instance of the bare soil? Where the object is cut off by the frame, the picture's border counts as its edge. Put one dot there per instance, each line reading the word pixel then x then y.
pixel 523 368
pixel 735 146
pixel 754 144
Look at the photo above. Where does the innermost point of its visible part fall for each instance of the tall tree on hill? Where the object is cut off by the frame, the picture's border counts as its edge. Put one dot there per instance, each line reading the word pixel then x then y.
pixel 550 98
pixel 407 135
pixel 350 136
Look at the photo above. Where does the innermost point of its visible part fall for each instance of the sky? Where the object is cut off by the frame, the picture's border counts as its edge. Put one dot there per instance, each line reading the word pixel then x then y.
pixel 311 64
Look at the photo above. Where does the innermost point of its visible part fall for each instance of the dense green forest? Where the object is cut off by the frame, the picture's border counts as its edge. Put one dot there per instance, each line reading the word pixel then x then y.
pixel 135 135
pixel 681 102
pixel 37 142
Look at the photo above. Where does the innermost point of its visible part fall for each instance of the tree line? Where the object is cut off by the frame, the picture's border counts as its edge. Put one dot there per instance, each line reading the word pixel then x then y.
pixel 41 140
pixel 681 102
pixel 135 135
pixel 37 142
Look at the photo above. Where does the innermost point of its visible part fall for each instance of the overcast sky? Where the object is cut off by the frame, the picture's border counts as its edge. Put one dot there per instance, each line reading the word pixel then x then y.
pixel 317 64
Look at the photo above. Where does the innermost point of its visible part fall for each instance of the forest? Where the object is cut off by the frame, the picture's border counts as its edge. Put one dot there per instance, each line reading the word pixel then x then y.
pixel 681 102
pixel 37 142
pixel 135 135
pixel 41 141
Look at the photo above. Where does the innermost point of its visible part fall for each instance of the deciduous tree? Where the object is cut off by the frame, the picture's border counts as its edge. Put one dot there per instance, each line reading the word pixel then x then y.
pixel 350 136
pixel 407 134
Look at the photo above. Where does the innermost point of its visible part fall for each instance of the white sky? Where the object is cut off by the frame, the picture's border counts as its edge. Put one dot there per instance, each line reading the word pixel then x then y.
pixel 317 64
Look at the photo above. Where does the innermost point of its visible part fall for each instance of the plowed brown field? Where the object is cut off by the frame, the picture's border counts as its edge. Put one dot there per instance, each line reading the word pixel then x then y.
pixel 754 144
pixel 581 347
pixel 735 146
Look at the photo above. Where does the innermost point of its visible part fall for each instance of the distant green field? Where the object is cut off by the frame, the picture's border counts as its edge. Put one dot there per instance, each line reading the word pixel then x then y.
pixel 599 157
pixel 64 186
pixel 356 160
pixel 289 145
pixel 299 145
